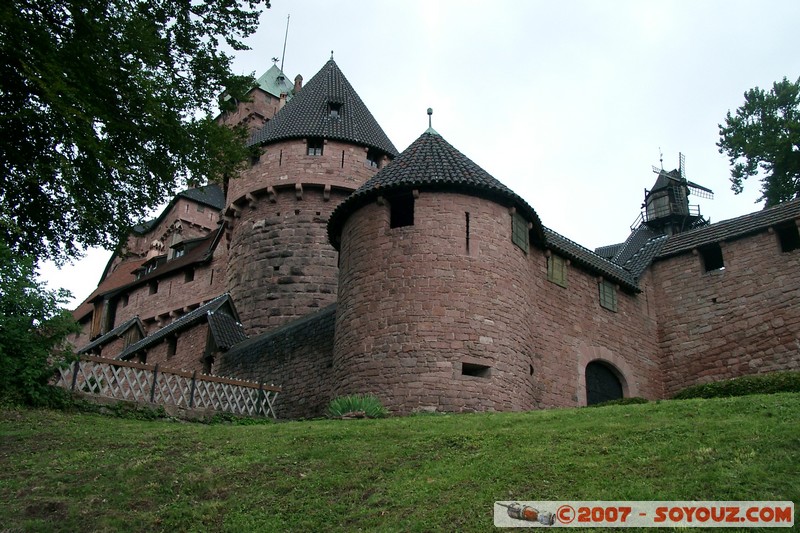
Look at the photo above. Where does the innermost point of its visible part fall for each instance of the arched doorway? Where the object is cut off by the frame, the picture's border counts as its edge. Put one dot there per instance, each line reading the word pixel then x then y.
pixel 602 383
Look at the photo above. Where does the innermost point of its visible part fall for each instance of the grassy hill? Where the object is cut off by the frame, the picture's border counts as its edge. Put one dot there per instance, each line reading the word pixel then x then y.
pixel 82 472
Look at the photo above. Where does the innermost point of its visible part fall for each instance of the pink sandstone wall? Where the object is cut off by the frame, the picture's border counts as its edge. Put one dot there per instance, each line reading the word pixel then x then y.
pixel 744 319
pixel 175 295
pixel 282 266
pixel 286 163
pixel 570 329
pixel 415 306
pixel 189 350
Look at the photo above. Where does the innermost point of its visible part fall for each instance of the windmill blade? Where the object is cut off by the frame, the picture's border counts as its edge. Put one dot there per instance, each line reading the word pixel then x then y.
pixel 700 191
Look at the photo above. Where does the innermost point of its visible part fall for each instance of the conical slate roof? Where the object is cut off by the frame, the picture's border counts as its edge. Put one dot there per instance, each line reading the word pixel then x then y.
pixel 307 114
pixel 430 163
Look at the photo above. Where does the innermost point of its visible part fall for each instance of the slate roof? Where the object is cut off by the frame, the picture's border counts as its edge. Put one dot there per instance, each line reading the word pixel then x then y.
pixel 307 115
pixel 226 329
pixel 609 251
pixel 590 260
pixel 734 228
pixel 113 334
pixel 211 195
pixel 285 336
pixel 430 163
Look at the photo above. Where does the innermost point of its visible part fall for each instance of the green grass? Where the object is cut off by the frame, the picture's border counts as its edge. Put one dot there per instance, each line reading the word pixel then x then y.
pixel 85 472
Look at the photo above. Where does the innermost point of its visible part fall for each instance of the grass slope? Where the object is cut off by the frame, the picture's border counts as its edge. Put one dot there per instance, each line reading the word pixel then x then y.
pixel 81 472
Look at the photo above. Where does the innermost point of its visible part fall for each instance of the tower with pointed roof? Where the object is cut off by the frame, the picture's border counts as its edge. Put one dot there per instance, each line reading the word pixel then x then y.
pixel 317 149
pixel 424 322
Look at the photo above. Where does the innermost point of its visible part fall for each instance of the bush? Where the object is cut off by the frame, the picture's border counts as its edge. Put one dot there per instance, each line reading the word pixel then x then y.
pixel 622 401
pixel 33 327
pixel 356 406
pixel 756 384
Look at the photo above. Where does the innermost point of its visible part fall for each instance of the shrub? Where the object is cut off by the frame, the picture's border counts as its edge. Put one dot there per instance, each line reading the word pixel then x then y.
pixel 756 384
pixel 356 406
pixel 622 401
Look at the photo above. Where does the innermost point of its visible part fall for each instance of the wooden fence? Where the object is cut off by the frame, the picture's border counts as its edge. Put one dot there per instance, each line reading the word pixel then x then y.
pixel 125 380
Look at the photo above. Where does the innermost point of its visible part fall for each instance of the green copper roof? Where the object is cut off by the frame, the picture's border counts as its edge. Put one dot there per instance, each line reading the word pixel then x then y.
pixel 275 82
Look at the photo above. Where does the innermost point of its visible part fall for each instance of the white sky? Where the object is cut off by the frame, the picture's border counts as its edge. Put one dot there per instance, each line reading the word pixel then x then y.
pixel 565 102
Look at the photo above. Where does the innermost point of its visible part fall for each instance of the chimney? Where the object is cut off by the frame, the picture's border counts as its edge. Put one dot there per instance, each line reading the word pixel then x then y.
pixel 282 102
pixel 298 83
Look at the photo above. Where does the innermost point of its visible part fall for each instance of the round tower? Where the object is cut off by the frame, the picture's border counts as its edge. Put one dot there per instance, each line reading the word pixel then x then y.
pixel 316 150
pixel 434 286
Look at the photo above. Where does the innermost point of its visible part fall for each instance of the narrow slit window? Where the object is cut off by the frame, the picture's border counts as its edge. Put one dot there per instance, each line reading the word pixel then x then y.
pixel 466 221
pixel 172 345
pixel 401 211
pixel 314 146
pixel 712 257
pixel 788 236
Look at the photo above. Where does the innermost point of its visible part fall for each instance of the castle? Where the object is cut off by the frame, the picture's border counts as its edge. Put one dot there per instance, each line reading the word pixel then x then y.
pixel 336 265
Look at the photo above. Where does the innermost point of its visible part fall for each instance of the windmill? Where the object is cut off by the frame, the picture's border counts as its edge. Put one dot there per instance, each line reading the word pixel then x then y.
pixel 666 204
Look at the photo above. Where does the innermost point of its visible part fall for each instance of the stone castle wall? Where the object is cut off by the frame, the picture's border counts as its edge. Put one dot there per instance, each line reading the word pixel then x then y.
pixel 282 266
pixel 415 306
pixel 175 294
pixel 283 163
pixel 570 329
pixel 721 324
pixel 296 357
pixel 427 324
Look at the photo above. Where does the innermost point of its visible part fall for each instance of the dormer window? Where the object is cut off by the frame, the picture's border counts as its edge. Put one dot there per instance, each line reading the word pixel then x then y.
pixel 314 146
pixel 179 252
pixel 334 109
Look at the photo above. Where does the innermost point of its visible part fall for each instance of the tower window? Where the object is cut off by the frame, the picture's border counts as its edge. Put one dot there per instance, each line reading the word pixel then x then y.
pixel 314 146
pixel 153 287
pixel 334 109
pixel 788 236
pixel 401 211
pixel 188 275
pixel 712 257
pixel 557 270
pixel 124 300
pixel 519 231
pixel 608 295
pixel 373 158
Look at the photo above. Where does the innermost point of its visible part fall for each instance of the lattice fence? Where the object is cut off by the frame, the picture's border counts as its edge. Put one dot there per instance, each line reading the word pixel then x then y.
pixel 126 380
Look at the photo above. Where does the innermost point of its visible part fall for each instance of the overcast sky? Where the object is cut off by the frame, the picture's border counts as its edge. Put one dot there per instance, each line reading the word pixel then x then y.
pixel 569 103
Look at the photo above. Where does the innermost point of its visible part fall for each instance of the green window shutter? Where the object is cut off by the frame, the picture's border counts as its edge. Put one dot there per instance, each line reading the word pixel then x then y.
pixel 557 270
pixel 519 231
pixel 608 295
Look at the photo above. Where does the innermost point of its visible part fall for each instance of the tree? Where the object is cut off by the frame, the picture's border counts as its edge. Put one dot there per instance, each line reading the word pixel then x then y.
pixel 764 137
pixel 105 108
pixel 32 329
